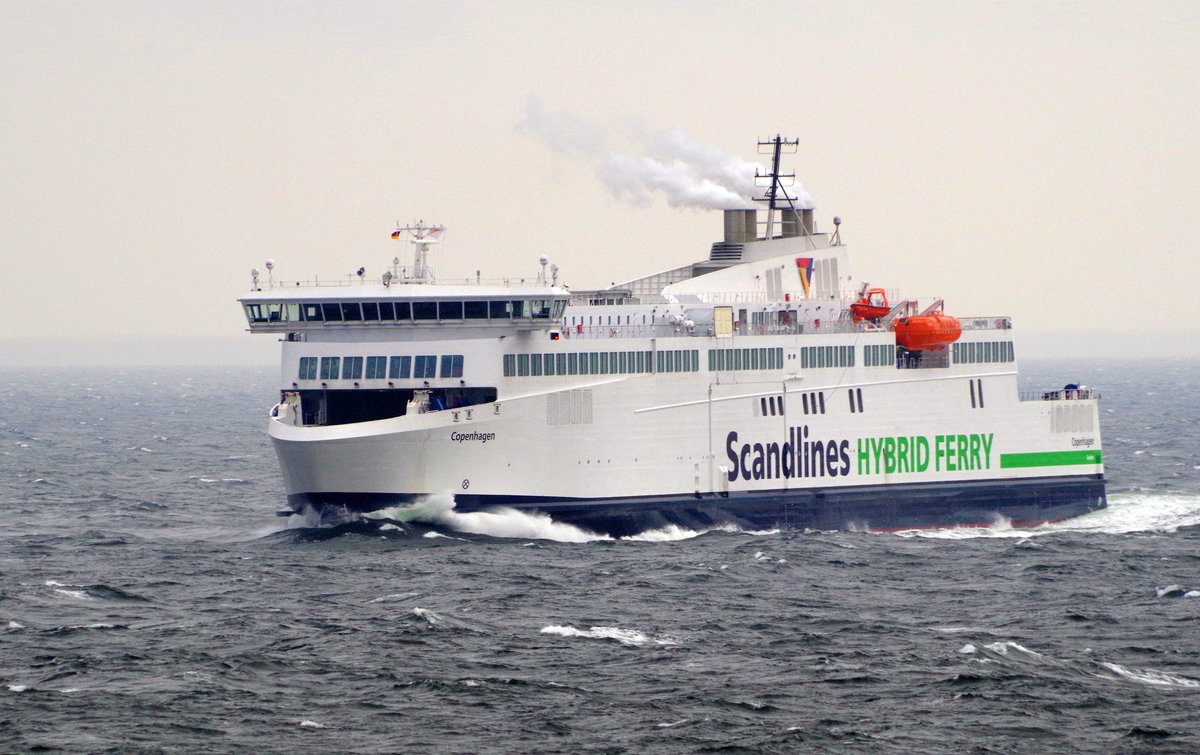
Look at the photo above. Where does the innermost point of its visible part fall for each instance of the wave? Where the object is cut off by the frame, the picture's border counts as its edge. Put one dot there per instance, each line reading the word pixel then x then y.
pixel 630 637
pixel 1126 514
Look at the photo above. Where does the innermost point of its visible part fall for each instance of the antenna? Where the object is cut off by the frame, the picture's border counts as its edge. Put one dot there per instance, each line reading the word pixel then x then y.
pixel 776 195
pixel 771 196
pixel 422 236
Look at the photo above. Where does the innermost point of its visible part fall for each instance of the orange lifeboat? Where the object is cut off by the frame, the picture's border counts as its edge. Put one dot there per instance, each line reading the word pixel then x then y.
pixel 872 306
pixel 927 332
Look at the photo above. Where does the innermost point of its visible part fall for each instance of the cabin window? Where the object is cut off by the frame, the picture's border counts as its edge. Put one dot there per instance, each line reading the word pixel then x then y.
pixel 425 367
pixel 452 365
pixel 352 368
pixel 376 368
pixel 329 367
pixel 370 310
pixel 561 363
pixel 594 362
pixel 398 368
pixel 450 310
pixel 535 365
pixel 351 311
pixel 510 365
pixel 308 368
pixel 548 359
pixel 424 310
pixel 522 365
pixel 475 310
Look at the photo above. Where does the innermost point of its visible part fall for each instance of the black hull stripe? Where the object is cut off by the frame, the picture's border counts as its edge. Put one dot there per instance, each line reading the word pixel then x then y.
pixel 1026 502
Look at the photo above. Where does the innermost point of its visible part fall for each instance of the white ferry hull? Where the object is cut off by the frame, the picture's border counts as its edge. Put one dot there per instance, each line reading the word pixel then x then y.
pixel 915 456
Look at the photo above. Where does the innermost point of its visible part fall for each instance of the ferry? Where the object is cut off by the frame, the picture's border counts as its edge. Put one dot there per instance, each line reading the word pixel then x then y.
pixel 760 388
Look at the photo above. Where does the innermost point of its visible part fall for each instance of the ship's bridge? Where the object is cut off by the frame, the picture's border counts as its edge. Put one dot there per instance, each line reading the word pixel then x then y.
pixel 279 310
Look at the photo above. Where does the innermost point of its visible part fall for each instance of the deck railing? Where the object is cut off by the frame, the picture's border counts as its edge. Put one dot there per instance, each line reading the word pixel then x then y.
pixel 1063 394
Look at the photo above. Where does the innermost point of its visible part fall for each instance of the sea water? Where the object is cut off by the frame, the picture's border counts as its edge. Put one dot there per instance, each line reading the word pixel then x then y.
pixel 150 600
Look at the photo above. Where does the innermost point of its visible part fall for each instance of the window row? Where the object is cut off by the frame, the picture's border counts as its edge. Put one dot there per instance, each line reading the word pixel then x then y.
pixel 380 367
pixel 402 311
pixel 879 355
pixel 601 363
pixel 983 351
pixel 826 356
pixel 745 359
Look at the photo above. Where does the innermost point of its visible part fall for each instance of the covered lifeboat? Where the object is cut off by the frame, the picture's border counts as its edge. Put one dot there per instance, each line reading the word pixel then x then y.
pixel 927 332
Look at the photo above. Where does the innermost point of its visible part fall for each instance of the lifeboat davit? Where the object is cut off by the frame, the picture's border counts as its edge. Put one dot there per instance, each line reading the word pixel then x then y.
pixel 872 306
pixel 927 332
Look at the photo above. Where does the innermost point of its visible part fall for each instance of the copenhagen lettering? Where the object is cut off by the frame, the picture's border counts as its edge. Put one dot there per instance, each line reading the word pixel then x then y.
pixel 798 456
pixel 916 453
pixel 458 437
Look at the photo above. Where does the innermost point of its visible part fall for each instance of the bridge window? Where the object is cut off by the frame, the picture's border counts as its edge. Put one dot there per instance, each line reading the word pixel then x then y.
pixel 399 367
pixel 332 311
pixel 425 367
pixel 450 310
pixel 376 368
pixel 370 310
pixel 500 310
pixel 452 365
pixel 352 368
pixel 308 368
pixel 387 311
pixel 403 311
pixel 351 311
pixel 312 312
pixel 424 310
pixel 475 310
pixel 329 367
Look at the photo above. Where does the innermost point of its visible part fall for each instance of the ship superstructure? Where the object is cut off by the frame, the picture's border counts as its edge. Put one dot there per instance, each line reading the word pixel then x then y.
pixel 760 387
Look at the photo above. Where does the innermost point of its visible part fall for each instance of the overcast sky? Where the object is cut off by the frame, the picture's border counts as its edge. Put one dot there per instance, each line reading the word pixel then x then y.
pixel 1035 159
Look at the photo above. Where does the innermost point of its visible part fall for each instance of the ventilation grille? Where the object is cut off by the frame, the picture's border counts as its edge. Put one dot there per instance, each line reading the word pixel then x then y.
pixel 569 408
pixel 723 251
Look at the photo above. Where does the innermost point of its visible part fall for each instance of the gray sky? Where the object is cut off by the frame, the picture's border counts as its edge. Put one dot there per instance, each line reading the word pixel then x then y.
pixel 1036 159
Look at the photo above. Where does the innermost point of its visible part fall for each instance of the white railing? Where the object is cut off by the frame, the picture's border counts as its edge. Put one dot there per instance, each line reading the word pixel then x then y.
pixel 1063 394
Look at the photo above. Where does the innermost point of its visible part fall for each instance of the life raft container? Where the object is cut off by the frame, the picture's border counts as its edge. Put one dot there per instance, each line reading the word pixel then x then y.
pixel 927 332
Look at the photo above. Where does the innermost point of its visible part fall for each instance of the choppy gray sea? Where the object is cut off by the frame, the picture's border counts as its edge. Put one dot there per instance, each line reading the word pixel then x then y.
pixel 150 601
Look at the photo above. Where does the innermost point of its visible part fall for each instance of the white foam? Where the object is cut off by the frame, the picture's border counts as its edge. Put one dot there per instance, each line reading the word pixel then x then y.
pixel 1170 591
pixel 17 687
pixel 967 649
pixel 1152 678
pixel 667 534
pixel 311 725
pixel 630 637
pixel 500 522
pixel 393 596
pixel 1126 513
pixel 1002 648
pixel 15 625
pixel 76 594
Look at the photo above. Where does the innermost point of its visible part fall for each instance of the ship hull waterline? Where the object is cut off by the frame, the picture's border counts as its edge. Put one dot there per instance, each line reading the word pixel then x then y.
pixel 1025 502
